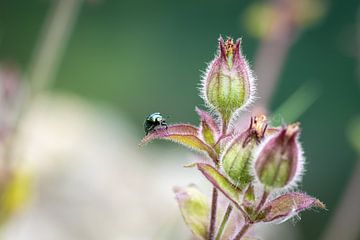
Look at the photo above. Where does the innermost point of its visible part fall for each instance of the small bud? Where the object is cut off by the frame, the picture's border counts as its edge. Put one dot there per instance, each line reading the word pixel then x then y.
pixel 279 160
pixel 228 83
pixel 237 156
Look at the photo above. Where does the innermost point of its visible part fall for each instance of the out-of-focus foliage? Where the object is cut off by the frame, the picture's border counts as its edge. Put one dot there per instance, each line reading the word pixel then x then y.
pixel 260 17
pixel 15 192
pixel 354 134
pixel 195 209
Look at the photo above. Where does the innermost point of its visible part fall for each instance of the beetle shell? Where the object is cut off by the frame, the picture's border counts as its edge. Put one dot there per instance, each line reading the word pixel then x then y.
pixel 154 121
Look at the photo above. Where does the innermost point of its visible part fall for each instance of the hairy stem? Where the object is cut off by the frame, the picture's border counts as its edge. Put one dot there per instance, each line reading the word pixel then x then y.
pixel 224 221
pixel 242 231
pixel 262 201
pixel 248 224
pixel 224 127
pixel 215 193
pixel 220 139
pixel 213 214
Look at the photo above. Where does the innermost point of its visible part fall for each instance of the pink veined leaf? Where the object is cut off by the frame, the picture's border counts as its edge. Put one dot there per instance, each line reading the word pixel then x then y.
pixel 184 134
pixel 220 182
pixel 288 205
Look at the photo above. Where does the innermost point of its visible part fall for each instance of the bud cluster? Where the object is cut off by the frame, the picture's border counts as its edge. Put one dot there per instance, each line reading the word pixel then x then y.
pixel 246 165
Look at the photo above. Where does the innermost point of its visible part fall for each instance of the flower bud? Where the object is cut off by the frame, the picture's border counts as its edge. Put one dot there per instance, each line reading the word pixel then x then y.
pixel 237 156
pixel 279 160
pixel 228 83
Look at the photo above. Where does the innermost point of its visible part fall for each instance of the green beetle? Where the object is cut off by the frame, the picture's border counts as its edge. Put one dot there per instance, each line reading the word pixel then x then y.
pixel 154 121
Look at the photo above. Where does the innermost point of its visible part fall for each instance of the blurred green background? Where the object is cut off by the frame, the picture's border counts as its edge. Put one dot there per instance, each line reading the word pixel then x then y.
pixel 147 56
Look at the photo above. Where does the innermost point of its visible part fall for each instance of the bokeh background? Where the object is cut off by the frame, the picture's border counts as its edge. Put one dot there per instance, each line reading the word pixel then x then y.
pixel 90 71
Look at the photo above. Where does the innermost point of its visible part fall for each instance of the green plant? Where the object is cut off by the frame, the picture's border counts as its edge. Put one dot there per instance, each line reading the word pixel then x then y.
pixel 256 168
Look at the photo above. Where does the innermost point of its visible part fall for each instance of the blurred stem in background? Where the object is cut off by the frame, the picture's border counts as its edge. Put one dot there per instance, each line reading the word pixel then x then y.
pixel 277 23
pixel 346 217
pixel 58 25
pixel 47 55
pixel 52 43
pixel 273 51
pixel 345 221
pixel 296 105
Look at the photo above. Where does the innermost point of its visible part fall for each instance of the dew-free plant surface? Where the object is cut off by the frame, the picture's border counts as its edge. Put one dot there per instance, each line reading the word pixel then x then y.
pixel 256 169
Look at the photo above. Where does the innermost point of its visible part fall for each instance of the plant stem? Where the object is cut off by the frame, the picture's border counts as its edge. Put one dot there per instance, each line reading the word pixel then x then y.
pixel 248 224
pixel 262 201
pixel 213 214
pixel 221 138
pixel 224 221
pixel 215 193
pixel 242 231
pixel 224 127
pixel 45 61
pixel 51 45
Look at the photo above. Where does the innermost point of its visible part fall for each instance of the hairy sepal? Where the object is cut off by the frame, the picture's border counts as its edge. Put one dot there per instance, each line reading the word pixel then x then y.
pixel 184 134
pixel 220 182
pixel 208 130
pixel 288 205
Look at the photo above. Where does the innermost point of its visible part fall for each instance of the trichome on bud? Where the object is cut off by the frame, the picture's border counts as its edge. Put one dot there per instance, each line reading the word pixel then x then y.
pixel 279 159
pixel 227 85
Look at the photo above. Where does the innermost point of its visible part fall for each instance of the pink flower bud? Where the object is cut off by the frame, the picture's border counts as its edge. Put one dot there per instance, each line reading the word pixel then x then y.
pixel 279 159
pixel 228 83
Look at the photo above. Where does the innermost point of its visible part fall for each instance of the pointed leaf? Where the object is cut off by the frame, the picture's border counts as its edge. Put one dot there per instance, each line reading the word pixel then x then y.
pixel 194 208
pixel 288 205
pixel 208 130
pixel 220 182
pixel 181 133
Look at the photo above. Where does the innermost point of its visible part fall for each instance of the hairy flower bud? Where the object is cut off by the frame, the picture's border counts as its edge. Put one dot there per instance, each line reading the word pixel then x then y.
pixel 279 160
pixel 228 83
pixel 238 154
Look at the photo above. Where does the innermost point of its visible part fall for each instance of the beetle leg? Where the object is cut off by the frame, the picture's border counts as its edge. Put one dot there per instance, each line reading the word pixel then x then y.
pixel 150 129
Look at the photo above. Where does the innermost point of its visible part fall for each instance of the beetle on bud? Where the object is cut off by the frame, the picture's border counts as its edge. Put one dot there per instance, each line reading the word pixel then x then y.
pixel 228 82
pixel 279 160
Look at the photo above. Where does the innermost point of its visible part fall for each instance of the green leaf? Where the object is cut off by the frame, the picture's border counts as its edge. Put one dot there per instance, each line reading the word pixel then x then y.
pixel 354 133
pixel 195 209
pixel 184 134
pixel 220 182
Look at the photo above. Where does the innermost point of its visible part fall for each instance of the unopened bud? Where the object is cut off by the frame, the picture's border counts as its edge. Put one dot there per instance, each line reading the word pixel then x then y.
pixel 228 83
pixel 279 160
pixel 237 156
